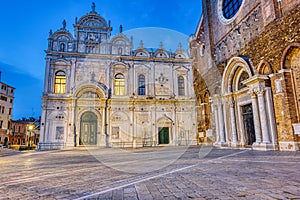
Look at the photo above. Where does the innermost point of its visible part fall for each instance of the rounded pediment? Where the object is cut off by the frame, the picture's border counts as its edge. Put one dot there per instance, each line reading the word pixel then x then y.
pixel 92 20
pixel 120 39
pixel 181 55
pixel 141 53
pixel 160 53
pixel 62 35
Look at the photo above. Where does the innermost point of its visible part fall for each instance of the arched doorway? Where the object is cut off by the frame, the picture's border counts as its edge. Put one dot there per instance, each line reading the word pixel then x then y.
pixel 88 129
pixel 5 142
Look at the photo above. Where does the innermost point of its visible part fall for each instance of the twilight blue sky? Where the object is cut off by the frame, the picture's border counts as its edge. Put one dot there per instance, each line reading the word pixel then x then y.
pixel 25 27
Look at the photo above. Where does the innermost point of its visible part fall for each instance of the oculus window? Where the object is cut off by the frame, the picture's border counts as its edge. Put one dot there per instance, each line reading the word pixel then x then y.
pixel 119 88
pixel 60 83
pixel 230 8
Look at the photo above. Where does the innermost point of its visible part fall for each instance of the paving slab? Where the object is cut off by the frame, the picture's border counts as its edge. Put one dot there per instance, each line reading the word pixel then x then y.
pixel 221 174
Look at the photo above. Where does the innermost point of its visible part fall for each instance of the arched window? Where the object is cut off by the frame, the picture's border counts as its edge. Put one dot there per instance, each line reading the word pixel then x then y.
pixel 141 85
pixel 62 47
pixel 244 76
pixel 180 86
pixel 60 83
pixel 231 7
pixel 120 50
pixel 119 88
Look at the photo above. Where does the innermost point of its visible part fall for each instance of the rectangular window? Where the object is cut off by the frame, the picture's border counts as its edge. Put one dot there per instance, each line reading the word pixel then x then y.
pixel 119 87
pixel 141 85
pixel 4 98
pixel 3 108
pixel 1 123
pixel 9 112
pixel 60 83
pixel 115 132
pixel 181 86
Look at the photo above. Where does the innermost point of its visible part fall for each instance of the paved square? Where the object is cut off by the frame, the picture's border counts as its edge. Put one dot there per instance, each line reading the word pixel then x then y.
pixel 81 174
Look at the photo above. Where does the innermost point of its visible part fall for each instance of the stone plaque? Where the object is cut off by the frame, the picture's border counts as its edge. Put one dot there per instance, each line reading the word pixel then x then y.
pixel 209 133
pixel 278 87
pixel 59 133
pixel 297 128
pixel 201 134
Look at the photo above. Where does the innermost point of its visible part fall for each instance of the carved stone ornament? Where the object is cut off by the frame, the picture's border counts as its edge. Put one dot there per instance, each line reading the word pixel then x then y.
pixel 162 79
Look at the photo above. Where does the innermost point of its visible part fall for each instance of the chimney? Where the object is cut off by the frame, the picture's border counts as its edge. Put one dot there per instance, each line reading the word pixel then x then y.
pixel 0 75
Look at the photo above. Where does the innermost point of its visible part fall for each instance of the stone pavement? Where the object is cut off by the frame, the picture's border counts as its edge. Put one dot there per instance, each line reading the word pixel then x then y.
pixel 199 173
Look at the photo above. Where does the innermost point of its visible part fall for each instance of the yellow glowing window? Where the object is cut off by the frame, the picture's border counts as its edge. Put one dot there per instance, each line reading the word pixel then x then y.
pixel 60 83
pixel 119 88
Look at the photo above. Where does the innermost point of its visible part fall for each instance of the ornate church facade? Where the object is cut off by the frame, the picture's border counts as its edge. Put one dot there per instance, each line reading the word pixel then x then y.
pixel 98 91
pixel 247 73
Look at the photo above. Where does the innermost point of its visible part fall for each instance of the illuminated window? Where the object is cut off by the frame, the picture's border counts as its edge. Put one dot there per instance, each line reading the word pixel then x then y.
pixel 141 85
pixel 60 83
pixel 119 85
pixel 180 86
pixel 231 7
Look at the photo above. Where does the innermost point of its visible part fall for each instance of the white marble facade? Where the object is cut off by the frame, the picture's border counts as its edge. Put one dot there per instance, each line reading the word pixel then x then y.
pixel 99 91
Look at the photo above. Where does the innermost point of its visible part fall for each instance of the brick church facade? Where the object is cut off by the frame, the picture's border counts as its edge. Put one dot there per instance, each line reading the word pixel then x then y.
pixel 246 63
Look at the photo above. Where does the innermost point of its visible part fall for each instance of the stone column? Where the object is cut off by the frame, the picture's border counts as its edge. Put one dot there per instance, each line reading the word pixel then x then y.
pixel 270 111
pixel 221 123
pixel 47 71
pixel 103 135
pixel 263 116
pixel 257 127
pixel 43 124
pixel 217 123
pixel 72 79
pixel 75 124
pixel 232 122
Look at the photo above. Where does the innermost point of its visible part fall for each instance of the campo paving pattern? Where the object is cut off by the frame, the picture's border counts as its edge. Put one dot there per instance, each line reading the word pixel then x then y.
pixel 199 173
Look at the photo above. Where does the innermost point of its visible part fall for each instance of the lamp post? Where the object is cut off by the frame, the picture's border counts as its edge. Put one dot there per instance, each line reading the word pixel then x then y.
pixel 30 128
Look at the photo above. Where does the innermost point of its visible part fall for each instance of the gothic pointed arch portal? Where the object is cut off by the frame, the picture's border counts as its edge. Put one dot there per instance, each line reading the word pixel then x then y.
pixel 88 129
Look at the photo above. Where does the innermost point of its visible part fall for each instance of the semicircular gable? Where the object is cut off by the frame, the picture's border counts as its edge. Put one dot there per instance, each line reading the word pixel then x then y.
pixel 160 53
pixel 119 116
pixel 62 35
pixel 120 37
pixel 89 91
pixel 92 20
pixel 141 53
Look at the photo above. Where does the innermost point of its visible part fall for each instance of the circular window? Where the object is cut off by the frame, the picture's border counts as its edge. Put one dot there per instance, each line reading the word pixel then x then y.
pixel 228 9
pixel 231 7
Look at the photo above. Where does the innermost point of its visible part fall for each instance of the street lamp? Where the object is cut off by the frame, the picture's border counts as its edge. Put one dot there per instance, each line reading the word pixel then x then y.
pixel 30 128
